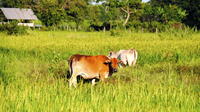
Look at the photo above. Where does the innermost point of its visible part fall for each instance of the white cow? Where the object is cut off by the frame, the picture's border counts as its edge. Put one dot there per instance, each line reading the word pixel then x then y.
pixel 128 57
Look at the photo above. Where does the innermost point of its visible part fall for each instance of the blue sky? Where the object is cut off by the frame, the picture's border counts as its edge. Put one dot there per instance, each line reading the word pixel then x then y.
pixel 145 0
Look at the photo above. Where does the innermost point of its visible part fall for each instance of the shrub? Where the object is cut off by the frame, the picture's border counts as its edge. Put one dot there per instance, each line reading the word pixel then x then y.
pixel 182 32
pixel 155 26
pixel 152 26
pixel 13 29
pixel 115 32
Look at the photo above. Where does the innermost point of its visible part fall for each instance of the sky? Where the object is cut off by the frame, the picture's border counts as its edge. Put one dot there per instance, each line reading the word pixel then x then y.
pixel 145 0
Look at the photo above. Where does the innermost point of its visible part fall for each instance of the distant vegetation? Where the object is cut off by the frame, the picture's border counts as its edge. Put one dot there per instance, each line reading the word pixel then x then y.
pixel 84 15
pixel 12 28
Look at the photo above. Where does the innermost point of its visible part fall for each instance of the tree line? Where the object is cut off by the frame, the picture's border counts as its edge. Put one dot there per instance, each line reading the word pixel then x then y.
pixel 98 15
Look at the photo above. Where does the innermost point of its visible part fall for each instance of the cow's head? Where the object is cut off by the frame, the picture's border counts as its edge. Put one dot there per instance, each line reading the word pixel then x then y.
pixel 112 54
pixel 113 64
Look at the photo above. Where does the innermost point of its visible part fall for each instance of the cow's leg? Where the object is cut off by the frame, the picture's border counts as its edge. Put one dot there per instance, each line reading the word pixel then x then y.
pixel 93 82
pixel 73 80
pixel 135 57
pixel 103 76
pixel 130 61
pixel 134 62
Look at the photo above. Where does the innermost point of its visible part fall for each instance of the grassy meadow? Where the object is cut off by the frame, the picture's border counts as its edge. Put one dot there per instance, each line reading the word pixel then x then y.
pixel 166 78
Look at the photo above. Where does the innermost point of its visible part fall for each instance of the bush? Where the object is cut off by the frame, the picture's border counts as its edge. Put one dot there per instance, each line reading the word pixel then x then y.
pixel 13 29
pixel 115 33
pixel 153 26
pixel 181 32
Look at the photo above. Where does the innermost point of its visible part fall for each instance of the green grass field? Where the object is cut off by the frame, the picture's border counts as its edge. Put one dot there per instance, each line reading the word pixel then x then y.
pixel 166 78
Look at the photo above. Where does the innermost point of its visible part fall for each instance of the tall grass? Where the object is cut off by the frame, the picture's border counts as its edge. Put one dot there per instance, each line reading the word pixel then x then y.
pixel 166 78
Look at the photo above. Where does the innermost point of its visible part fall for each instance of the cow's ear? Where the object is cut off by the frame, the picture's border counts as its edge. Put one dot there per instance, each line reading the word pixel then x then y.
pixel 110 53
pixel 107 62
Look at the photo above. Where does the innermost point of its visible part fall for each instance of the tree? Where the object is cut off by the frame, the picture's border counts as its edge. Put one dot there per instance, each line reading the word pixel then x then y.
pixel 51 15
pixel 163 14
pixel 192 8
pixel 127 7
pixel 18 3
pixel 76 10
pixel 103 17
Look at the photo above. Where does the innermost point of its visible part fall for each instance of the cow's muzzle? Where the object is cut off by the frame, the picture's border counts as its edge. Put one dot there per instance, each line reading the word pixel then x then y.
pixel 114 70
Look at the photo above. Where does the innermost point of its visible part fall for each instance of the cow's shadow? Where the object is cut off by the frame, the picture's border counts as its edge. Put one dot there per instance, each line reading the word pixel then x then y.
pixel 68 76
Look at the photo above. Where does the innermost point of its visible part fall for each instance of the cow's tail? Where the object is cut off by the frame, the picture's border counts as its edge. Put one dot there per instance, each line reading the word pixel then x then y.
pixel 70 61
pixel 135 57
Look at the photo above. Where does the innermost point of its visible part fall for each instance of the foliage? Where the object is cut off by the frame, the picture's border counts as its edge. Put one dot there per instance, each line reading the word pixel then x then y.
pixel 191 8
pixel 104 18
pixel 163 14
pixel 12 28
pixel 51 14
pixel 116 33
pixel 76 11
pixel 127 7
pixel 85 15
pixel 152 26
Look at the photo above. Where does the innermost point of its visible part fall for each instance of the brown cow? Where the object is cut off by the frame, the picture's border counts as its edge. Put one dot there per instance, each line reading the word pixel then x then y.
pixel 91 67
